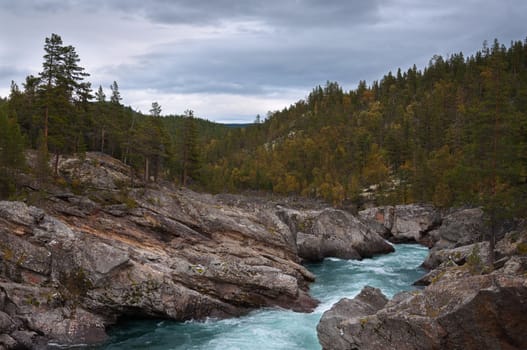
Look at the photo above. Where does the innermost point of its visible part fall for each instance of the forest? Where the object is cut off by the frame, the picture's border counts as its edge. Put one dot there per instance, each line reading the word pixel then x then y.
pixel 451 134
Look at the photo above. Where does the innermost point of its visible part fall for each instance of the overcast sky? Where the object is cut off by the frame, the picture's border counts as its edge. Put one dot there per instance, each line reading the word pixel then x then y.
pixel 229 60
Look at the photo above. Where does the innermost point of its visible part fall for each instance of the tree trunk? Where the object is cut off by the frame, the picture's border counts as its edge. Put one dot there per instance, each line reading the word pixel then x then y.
pixel 102 140
pixel 46 118
pixel 492 239
pixel 147 164
pixel 131 177
pixel 56 165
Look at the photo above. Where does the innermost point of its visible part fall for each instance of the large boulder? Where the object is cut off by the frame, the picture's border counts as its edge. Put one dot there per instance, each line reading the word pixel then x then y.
pixel 476 312
pixel 332 233
pixel 462 237
pixel 459 228
pixel 478 252
pixel 403 223
pixel 96 171
pixel 367 302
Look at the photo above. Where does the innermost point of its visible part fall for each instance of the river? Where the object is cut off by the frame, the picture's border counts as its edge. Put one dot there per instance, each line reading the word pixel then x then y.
pixel 274 329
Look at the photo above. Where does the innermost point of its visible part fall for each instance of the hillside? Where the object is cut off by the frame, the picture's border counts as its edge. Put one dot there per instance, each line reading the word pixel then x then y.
pixel 452 134
pixel 74 261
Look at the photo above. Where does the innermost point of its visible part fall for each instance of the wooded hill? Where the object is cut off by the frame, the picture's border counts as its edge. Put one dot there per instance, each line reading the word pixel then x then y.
pixel 454 133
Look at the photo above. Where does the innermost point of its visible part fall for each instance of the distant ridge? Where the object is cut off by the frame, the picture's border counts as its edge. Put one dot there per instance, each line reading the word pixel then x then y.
pixel 237 125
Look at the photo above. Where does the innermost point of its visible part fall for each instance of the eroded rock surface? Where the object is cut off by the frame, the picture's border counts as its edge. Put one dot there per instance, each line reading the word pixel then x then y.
pixel 460 228
pixel 332 233
pixel 330 330
pixel 403 223
pixel 476 312
pixel 467 304
pixel 78 262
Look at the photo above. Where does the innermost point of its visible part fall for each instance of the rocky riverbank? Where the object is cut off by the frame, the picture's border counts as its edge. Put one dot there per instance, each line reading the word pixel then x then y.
pixel 104 246
pixel 466 303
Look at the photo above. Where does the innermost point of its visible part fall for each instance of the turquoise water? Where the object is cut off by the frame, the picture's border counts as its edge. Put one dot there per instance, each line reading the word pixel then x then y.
pixel 273 329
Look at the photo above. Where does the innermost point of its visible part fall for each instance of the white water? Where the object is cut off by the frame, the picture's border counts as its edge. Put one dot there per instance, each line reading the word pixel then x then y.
pixel 273 329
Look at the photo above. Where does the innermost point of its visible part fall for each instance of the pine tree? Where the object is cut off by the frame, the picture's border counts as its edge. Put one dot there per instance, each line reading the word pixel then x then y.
pixel 63 90
pixel 116 95
pixel 28 110
pixel 72 76
pixel 100 117
pixel 155 111
pixel 190 155
pixel 50 75
pixel 100 96
pixel 42 170
pixel 152 144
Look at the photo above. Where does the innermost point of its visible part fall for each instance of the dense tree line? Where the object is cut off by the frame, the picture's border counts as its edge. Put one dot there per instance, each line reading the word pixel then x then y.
pixel 452 134
pixel 56 113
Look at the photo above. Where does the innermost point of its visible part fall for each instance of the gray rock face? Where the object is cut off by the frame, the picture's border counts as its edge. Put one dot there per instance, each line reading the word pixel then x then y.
pixel 461 239
pixel 516 265
pixel 332 233
pixel 73 266
pixel 7 325
pixel 403 223
pixel 97 170
pixel 466 305
pixel 457 256
pixel 477 312
pixel 329 330
pixel 7 342
pixel 460 228
pixel 190 259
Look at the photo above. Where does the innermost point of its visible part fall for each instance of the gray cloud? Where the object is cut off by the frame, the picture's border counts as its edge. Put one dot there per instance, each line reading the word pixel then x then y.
pixel 238 67
pixel 249 48
pixel 9 73
pixel 310 13
pixel 284 12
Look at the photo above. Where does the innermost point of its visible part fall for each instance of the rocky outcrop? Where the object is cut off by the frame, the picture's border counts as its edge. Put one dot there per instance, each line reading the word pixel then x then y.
pixel 459 240
pixel 367 302
pixel 459 228
pixel 457 256
pixel 467 304
pixel 403 223
pixel 97 170
pixel 332 233
pixel 456 240
pixel 70 276
pixel 79 262
pixel 476 312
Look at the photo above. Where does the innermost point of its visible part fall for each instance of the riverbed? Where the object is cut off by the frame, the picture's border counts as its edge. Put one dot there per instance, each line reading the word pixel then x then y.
pixel 274 329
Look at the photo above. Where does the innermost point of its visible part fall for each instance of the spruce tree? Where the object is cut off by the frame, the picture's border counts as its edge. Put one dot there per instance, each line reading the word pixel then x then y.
pixel 155 111
pixel 100 96
pixel 116 95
